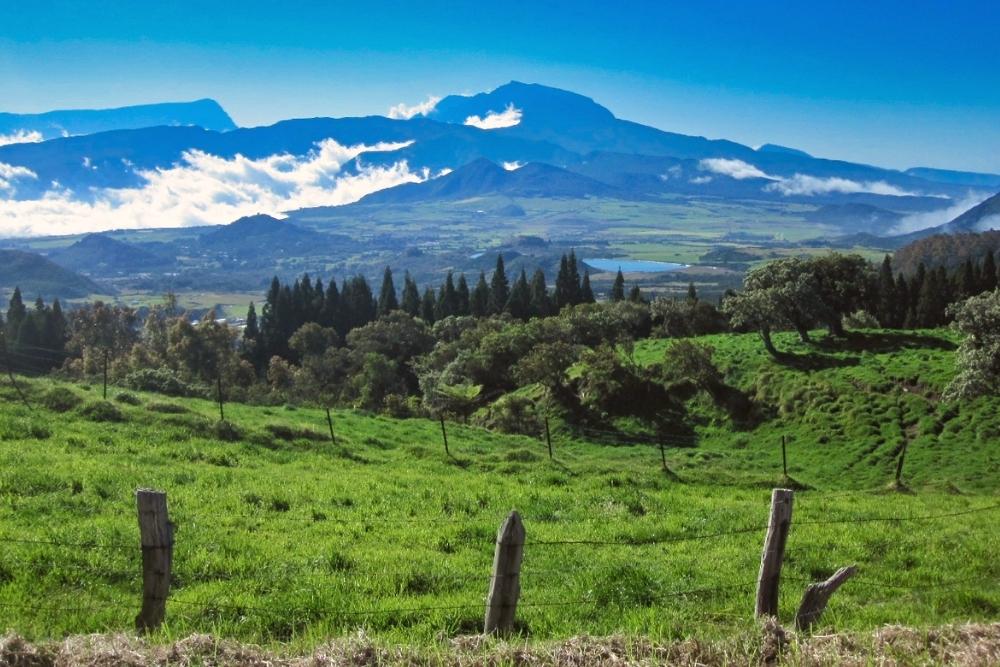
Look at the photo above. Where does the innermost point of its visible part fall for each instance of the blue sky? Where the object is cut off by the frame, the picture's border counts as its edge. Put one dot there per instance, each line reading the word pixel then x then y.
pixel 891 83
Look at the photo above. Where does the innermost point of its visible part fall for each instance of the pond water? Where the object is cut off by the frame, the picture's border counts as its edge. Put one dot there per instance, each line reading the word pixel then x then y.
pixel 632 265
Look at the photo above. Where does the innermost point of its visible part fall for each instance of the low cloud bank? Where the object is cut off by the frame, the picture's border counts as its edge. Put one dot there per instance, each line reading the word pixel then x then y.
pixel 493 120
pixel 21 137
pixel 918 221
pixel 802 185
pixel 402 111
pixel 206 189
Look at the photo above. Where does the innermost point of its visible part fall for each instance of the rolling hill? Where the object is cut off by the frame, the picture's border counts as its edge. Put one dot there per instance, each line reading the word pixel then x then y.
pixel 38 276
pixel 98 254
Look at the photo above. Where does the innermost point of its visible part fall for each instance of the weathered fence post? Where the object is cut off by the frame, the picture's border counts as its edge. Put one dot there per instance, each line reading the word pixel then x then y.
pixel 505 586
pixel 548 436
pixel 329 422
pixel 663 456
pixel 784 458
pixel 444 435
pixel 157 539
pixel 899 462
pixel 218 380
pixel 105 373
pixel 774 552
pixel 817 595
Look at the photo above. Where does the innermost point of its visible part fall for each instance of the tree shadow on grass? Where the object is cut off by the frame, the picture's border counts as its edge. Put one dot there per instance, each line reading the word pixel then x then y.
pixel 814 361
pixel 883 341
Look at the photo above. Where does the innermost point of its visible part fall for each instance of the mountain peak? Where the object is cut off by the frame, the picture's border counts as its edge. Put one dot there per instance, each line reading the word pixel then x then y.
pixel 538 105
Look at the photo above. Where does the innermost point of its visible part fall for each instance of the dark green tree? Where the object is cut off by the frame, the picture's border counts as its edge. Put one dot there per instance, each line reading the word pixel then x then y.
pixel 427 306
pixel 541 304
pixel 411 296
pixel 618 287
pixel 635 295
pixel 519 302
pixel 479 301
pixel 586 292
pixel 988 274
pixel 387 301
pixel 462 290
pixel 499 288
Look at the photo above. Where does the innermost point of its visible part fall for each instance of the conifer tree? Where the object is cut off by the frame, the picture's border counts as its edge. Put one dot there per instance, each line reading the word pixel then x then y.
pixel 387 297
pixel 635 294
pixel 692 293
pixel 618 287
pixel 519 302
pixel 16 312
pixel 447 302
pixel 411 297
pixel 574 278
pixel 564 291
pixel 988 274
pixel 968 282
pixel 499 288
pixel 541 304
pixel 330 315
pixel 586 292
pixel 479 301
pixel 462 290
pixel 427 306
pixel 888 308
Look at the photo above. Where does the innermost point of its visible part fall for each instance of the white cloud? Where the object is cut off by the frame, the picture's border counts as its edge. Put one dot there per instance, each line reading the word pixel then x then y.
pixel 402 111
pixel 10 173
pixel 493 120
pixel 21 137
pixel 737 169
pixel 805 185
pixel 988 223
pixel 673 172
pixel 207 189
pixel 513 166
pixel 918 221
pixel 701 180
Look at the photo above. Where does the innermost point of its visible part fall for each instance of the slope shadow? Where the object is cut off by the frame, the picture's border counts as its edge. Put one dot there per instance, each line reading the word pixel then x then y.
pixel 883 341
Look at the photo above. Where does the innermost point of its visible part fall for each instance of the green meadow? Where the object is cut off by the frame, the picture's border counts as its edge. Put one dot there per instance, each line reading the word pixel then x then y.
pixel 283 536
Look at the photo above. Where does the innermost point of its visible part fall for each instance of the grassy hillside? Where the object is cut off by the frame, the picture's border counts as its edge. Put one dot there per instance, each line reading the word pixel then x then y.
pixel 283 536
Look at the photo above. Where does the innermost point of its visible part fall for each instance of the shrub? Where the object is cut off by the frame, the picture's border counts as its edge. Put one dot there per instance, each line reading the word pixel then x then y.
pixel 60 399
pixel 289 433
pixel 161 381
pixel 127 398
pixel 226 431
pixel 511 414
pixel 102 411
pixel 167 408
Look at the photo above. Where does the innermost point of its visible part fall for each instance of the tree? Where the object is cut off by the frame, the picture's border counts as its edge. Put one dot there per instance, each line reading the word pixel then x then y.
pixel 988 274
pixel 519 301
pixel 635 295
pixel 252 346
pixel 618 287
pixel 978 355
pixel 16 312
pixel 541 304
pixel 387 301
pixel 462 290
pixel 843 285
pixel 586 292
pixel 311 339
pixel 447 302
pixel 499 288
pixel 479 301
pixel 888 302
pixel 428 305
pixel 692 293
pixel 411 296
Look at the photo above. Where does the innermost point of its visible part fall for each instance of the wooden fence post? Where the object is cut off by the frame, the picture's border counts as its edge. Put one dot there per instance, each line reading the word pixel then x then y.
pixel 157 539
pixel 899 462
pixel 548 436
pixel 218 380
pixel 505 586
pixel 444 434
pixel 105 375
pixel 817 595
pixel 329 422
pixel 774 552
pixel 784 458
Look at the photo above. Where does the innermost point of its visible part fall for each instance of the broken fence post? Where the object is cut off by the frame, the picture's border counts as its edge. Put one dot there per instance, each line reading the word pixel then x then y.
pixel 505 585
pixel 774 552
pixel 817 595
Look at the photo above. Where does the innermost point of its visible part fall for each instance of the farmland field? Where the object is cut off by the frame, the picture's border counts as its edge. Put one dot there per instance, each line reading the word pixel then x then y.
pixel 283 536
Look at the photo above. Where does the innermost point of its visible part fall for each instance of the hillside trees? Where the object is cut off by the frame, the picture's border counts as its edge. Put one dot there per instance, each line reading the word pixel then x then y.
pixel 978 356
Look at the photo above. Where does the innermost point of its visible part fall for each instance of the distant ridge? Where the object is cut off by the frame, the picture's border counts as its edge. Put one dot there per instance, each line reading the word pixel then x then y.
pixel 38 276
pixel 206 113
pixel 101 254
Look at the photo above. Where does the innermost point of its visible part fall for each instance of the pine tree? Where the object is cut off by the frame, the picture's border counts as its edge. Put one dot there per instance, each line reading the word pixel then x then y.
pixel 387 298
pixel 251 332
pixel 930 306
pixel 58 326
pixel 16 312
pixel 887 295
pixel 331 313
pixel 499 288
pixel 519 302
pixel 967 282
pixel 574 278
pixel 447 303
pixel 635 294
pixel 563 295
pixel 618 287
pixel 541 304
pixel 586 292
pixel 358 304
pixel 411 297
pixel 479 301
pixel 692 295
pixel 427 306
pixel 462 290
pixel 988 274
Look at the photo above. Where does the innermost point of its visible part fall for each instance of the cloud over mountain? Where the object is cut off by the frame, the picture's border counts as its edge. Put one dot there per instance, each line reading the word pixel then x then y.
pixel 207 189
pixel 20 137
pixel 402 111
pixel 494 120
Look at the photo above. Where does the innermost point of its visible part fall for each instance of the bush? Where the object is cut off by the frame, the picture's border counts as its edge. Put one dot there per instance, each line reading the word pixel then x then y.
pixel 289 433
pixel 60 399
pixel 127 398
pixel 226 431
pixel 861 319
pixel 161 381
pixel 167 408
pixel 511 414
pixel 102 411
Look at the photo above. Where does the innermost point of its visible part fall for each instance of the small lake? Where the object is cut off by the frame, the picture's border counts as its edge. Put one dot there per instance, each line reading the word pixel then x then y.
pixel 632 265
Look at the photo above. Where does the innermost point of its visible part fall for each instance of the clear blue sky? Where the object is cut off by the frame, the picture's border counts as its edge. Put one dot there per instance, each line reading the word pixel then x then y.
pixel 892 83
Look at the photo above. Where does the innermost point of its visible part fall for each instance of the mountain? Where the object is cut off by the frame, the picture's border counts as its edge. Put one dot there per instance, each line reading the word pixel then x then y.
pixel 948 250
pixel 980 218
pixel 261 234
pixel 483 177
pixel 775 148
pixel 38 276
pixel 970 178
pixel 205 113
pixel 98 254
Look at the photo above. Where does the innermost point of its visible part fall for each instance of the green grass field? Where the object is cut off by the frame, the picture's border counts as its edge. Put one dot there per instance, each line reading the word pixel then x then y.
pixel 282 536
